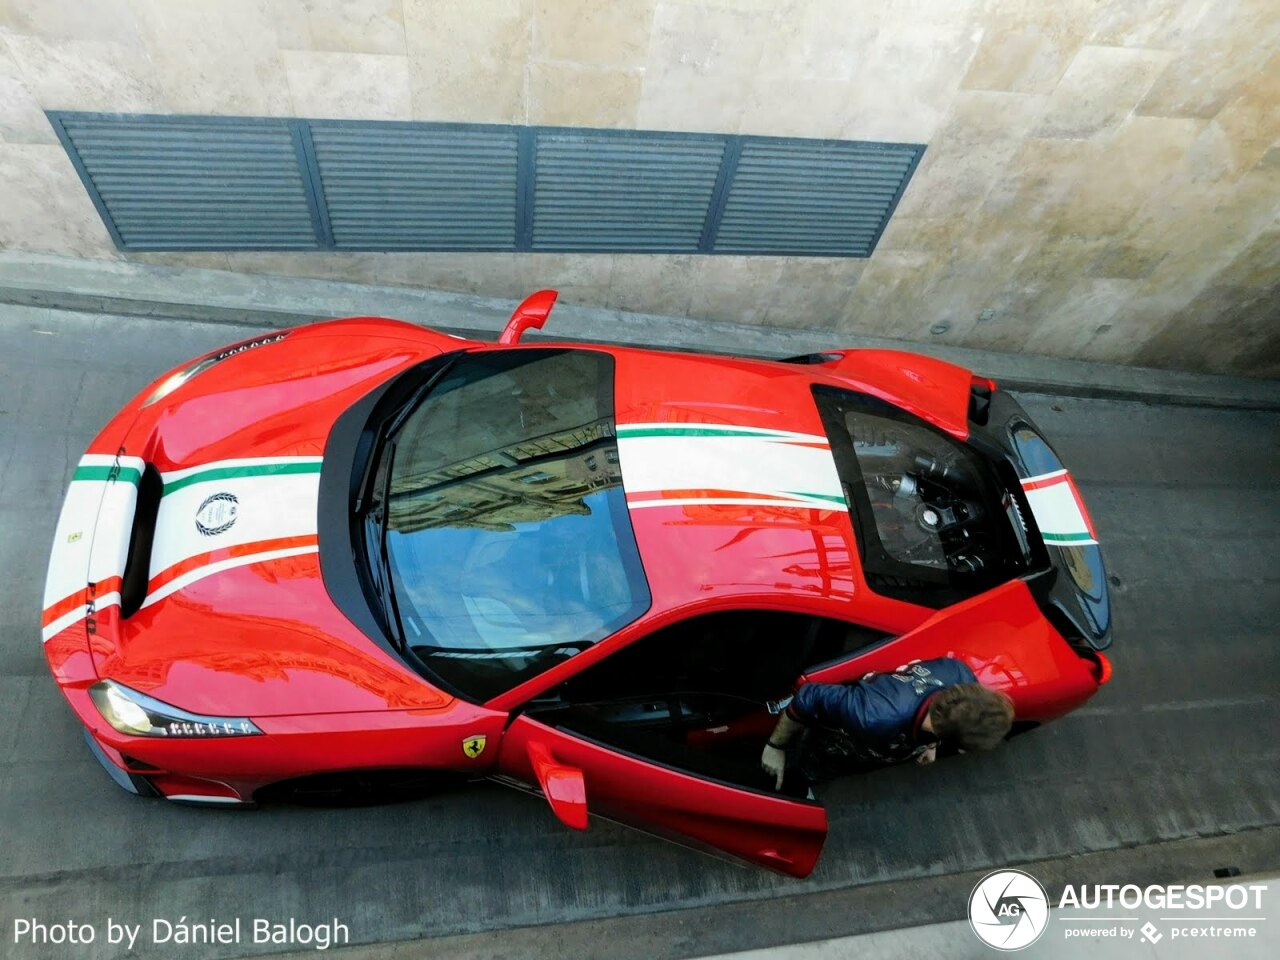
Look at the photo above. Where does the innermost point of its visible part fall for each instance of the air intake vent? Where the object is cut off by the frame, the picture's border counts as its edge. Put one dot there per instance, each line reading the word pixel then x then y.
pixel 979 403
pixel 408 186
pixel 177 183
pixel 230 183
pixel 598 190
pixel 812 197
pixel 137 567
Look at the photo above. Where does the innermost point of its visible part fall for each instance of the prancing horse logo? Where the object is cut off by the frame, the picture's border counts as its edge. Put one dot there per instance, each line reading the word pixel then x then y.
pixel 217 514
pixel 474 746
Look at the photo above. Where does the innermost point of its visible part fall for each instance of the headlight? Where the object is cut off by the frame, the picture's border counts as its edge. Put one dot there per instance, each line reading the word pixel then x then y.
pixel 138 715
pixel 197 367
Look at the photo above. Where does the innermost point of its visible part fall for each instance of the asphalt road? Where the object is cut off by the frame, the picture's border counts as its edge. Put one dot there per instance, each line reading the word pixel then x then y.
pixel 1185 742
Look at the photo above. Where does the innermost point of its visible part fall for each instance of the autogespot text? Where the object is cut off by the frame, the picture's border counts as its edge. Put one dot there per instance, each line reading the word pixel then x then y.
pixel 1192 896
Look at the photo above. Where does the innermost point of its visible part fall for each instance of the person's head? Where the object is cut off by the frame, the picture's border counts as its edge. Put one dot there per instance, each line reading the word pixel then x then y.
pixel 971 716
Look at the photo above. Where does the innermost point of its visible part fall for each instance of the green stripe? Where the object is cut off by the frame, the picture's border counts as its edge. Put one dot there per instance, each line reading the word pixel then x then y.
pixel 228 473
pixel 126 474
pixel 632 433
pixel 817 496
pixel 1065 537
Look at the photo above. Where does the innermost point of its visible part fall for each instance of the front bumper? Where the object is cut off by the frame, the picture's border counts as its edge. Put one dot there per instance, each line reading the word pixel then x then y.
pixel 160 783
pixel 139 786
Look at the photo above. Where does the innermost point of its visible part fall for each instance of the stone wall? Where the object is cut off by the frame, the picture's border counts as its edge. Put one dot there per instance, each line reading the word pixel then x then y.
pixel 1102 179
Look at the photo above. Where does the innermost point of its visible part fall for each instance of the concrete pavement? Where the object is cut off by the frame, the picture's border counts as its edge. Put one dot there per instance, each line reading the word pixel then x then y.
pixel 1067 937
pixel 882 920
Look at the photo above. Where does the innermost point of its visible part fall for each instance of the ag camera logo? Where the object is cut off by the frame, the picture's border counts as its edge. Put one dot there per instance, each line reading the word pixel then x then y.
pixel 1008 909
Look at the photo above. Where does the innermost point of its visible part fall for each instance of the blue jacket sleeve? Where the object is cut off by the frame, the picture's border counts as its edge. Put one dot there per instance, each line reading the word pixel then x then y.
pixel 950 671
pixel 830 704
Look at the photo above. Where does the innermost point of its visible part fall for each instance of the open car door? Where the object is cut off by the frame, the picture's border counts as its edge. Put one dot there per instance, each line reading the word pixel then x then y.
pixel 577 772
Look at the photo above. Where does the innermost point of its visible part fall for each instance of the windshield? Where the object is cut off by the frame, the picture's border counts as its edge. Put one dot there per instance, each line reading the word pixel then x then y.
pixel 506 531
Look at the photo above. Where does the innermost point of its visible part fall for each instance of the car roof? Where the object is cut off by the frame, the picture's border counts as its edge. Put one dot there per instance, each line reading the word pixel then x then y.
pixel 732 489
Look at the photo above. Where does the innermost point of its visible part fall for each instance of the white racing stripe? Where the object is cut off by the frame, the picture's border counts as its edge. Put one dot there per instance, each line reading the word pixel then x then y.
pixel 275 498
pixel 83 510
pixel 763 466
pixel 268 507
pixel 113 531
pixel 1057 511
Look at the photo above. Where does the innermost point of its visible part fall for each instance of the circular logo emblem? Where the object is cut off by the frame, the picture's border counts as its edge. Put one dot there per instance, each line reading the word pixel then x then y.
pixel 1008 909
pixel 217 514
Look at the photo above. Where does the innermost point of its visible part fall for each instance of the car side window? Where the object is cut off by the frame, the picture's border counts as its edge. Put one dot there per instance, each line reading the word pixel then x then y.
pixel 693 695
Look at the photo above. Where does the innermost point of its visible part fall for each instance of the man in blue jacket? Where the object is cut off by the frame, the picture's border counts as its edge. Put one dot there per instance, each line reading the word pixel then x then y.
pixel 890 717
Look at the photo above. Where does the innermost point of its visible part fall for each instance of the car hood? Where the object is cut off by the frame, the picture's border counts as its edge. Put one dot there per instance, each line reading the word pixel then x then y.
pixel 233 617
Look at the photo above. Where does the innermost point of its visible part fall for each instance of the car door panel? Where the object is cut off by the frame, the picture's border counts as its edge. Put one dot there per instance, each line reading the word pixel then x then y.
pixel 1003 636
pixel 769 830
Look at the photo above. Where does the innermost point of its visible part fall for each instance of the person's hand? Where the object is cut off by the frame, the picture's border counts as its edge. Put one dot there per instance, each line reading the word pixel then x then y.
pixel 774 763
pixel 929 755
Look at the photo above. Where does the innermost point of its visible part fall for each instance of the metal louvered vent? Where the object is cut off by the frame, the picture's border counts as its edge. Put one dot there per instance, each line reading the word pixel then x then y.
pixel 603 190
pixel 814 197
pixel 226 183
pixel 182 183
pixel 409 186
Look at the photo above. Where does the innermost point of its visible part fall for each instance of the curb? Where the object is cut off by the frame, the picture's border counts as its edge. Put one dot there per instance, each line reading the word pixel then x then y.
pixel 197 295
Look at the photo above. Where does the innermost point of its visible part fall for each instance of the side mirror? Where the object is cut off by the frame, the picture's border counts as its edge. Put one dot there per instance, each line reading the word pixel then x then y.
pixel 564 787
pixel 533 312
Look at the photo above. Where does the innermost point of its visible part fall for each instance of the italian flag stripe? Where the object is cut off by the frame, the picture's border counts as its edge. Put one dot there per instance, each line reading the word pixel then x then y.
pixel 123 474
pixel 276 519
pixel 1058 509
pixel 699 464
pixel 632 431
pixel 276 468
pixel 837 501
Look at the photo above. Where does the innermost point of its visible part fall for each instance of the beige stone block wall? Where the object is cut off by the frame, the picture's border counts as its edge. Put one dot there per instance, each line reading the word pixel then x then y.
pixel 1102 179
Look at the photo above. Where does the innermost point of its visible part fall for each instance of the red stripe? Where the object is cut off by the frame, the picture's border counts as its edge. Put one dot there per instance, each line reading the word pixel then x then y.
pixel 78 599
pixel 226 553
pixel 1040 482
pixel 702 494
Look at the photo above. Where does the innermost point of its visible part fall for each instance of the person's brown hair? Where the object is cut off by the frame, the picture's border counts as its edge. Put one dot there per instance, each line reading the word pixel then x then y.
pixel 971 716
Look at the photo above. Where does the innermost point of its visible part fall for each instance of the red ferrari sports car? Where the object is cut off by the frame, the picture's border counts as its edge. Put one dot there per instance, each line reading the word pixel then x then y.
pixel 365 546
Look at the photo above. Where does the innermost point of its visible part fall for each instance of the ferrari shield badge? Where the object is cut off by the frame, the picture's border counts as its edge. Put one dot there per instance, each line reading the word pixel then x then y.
pixel 474 746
